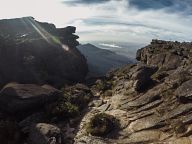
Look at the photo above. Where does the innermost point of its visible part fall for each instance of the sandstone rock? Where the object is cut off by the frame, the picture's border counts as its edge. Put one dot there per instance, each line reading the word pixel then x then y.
pixel 35 52
pixel 145 137
pixel 96 103
pixel 142 77
pixel 184 92
pixel 21 98
pixel 157 113
pixel 184 140
pixel 164 54
pixel 27 122
pixel 43 133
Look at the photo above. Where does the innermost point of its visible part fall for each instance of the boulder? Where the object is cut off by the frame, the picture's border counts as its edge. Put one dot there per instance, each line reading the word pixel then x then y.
pixel 79 95
pixel 43 133
pixel 39 53
pixel 142 77
pixel 185 89
pixel 184 92
pixel 21 98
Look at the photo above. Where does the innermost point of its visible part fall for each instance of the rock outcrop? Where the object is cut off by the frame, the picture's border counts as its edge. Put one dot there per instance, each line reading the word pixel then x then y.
pixel 43 133
pixel 23 98
pixel 151 99
pixel 36 52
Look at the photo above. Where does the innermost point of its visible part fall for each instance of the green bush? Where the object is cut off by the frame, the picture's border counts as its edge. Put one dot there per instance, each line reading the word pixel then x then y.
pixel 80 99
pixel 78 95
pixel 102 124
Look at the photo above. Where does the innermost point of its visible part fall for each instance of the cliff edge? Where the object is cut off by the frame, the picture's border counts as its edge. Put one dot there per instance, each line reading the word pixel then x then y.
pixel 40 53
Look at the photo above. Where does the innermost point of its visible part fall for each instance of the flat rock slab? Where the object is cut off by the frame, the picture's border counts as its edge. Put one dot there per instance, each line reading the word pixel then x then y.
pixel 185 89
pixel 144 123
pixel 144 137
pixel 178 111
pixel 91 140
pixel 26 97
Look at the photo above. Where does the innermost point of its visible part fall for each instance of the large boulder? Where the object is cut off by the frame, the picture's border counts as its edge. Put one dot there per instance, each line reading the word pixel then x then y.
pixel 43 133
pixel 184 92
pixel 35 52
pixel 142 77
pixel 20 98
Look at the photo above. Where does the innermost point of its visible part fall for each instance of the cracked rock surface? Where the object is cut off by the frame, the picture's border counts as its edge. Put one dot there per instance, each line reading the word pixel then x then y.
pixel 151 99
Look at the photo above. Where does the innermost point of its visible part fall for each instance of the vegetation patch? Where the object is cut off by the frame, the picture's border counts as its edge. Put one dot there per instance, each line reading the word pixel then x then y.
pixel 73 101
pixel 62 110
pixel 102 124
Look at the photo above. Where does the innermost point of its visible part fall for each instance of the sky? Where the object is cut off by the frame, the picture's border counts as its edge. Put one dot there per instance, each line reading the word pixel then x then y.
pixel 111 23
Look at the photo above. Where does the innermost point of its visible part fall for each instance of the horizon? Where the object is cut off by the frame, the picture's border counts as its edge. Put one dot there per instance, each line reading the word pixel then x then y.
pixel 110 23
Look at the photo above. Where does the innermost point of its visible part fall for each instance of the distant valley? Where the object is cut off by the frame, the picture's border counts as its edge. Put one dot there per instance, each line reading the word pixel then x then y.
pixel 100 61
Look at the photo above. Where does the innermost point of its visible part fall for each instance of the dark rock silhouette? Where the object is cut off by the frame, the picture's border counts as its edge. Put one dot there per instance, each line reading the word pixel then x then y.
pixel 36 52
pixel 24 98
pixel 42 133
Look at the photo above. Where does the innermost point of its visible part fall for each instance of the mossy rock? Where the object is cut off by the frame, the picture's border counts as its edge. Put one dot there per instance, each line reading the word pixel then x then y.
pixel 78 96
pixel 102 124
pixel 80 99
pixel 62 110
pixel 103 85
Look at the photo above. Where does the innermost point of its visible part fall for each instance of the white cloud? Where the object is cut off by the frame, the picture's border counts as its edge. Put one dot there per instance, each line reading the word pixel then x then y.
pixel 127 24
pixel 110 45
pixel 45 10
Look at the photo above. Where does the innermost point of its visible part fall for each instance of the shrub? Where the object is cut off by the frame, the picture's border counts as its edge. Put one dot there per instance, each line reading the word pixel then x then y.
pixel 102 124
pixel 78 95
pixel 80 99
pixel 62 110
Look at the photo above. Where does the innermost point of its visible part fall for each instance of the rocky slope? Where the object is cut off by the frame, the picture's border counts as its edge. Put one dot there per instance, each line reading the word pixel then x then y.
pixel 100 61
pixel 149 102
pixel 36 52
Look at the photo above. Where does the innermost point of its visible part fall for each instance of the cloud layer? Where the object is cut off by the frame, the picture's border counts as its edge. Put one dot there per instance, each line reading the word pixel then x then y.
pixel 111 21
pixel 136 21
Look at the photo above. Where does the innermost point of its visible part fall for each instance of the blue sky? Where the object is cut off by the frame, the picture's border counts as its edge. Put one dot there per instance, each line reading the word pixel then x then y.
pixel 111 22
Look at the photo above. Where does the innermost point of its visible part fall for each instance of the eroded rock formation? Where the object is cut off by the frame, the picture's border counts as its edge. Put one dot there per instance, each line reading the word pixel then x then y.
pixel 36 52
pixel 152 99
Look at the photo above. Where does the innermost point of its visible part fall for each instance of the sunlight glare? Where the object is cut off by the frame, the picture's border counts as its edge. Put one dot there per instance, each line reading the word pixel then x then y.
pixel 65 47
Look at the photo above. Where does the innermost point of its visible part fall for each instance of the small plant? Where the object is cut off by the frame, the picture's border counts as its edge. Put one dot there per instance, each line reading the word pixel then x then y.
pixel 102 124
